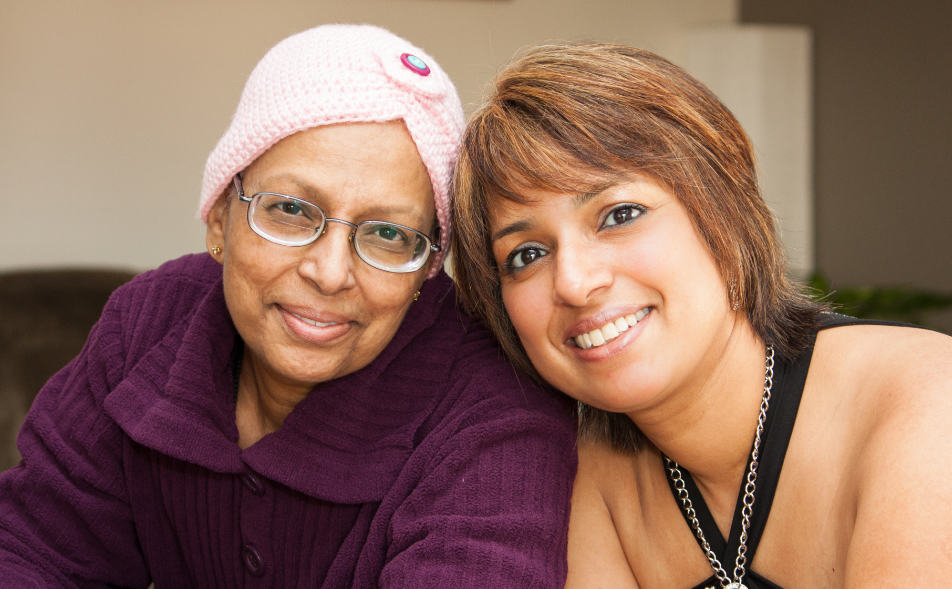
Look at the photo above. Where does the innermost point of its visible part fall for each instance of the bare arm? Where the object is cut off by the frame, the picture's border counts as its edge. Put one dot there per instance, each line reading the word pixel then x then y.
pixel 903 529
pixel 595 555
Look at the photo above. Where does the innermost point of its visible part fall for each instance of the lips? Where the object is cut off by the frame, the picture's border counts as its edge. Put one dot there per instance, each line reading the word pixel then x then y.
pixel 317 328
pixel 609 331
pixel 314 322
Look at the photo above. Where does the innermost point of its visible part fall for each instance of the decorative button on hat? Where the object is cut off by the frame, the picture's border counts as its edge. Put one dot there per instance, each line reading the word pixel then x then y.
pixel 415 64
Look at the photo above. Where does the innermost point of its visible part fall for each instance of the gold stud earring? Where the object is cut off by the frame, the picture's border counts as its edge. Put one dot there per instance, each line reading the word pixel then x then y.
pixel 416 296
pixel 216 250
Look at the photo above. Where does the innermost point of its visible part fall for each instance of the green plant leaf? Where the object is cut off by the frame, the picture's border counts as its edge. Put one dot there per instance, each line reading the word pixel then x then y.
pixel 899 303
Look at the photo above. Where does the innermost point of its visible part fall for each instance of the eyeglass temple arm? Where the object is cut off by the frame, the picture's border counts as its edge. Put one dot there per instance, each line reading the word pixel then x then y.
pixel 236 180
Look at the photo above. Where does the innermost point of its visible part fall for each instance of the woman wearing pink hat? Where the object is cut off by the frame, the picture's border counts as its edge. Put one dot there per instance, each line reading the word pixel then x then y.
pixel 306 405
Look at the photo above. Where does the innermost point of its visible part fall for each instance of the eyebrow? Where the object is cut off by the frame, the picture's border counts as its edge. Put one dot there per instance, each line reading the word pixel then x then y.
pixel 283 177
pixel 510 229
pixel 579 200
pixel 584 197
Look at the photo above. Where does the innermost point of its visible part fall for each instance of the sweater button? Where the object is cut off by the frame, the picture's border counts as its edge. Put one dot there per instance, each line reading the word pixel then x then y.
pixel 252 559
pixel 253 483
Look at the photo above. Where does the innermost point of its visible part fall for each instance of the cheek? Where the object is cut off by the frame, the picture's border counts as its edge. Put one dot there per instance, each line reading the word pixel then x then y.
pixel 526 309
pixel 384 307
pixel 249 290
pixel 250 264
pixel 387 298
pixel 668 259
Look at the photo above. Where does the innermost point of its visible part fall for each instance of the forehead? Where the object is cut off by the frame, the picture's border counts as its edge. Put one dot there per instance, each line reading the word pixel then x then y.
pixel 371 164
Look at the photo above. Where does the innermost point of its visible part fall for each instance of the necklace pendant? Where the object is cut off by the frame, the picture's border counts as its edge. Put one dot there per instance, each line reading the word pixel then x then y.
pixel 735 585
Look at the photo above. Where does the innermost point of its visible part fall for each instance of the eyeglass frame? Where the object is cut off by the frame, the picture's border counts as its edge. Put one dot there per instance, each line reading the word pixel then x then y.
pixel 433 244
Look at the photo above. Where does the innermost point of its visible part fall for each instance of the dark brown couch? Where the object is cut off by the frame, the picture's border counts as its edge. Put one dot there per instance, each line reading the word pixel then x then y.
pixel 45 316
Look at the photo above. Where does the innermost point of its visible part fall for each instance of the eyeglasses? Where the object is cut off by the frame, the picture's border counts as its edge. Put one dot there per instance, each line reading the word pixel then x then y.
pixel 295 222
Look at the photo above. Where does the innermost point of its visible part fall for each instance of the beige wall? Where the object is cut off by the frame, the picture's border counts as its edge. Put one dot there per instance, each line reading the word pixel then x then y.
pixel 108 108
pixel 883 139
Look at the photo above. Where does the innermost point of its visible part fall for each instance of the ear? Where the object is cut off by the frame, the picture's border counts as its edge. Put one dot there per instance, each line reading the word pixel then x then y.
pixel 216 224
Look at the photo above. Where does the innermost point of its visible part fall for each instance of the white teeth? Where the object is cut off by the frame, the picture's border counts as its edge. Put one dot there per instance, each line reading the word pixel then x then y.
pixel 606 333
pixel 312 322
pixel 586 342
pixel 597 337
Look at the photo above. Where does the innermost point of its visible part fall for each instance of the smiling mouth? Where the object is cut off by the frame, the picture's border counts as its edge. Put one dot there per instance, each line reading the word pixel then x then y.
pixel 313 322
pixel 611 330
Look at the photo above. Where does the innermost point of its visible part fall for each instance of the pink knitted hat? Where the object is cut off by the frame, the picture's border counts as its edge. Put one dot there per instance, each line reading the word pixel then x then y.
pixel 343 74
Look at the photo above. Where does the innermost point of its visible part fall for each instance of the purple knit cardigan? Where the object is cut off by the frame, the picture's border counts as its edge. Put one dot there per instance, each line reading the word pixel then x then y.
pixel 434 466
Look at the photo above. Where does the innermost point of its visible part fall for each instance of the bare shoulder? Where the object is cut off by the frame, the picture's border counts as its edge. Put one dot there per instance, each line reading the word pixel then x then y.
pixel 895 367
pixel 595 554
pixel 895 385
pixel 898 385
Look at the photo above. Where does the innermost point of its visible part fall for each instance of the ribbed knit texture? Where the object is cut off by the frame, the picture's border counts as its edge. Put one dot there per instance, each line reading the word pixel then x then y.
pixel 434 466
pixel 343 74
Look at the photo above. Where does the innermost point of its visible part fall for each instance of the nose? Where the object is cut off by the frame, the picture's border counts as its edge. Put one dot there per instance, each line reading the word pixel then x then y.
pixel 329 262
pixel 580 273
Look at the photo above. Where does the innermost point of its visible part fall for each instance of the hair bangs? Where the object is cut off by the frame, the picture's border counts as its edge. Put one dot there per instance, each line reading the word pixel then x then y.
pixel 514 150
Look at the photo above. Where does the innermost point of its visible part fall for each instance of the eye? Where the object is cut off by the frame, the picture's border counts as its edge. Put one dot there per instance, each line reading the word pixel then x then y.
pixel 385 237
pixel 523 256
pixel 389 233
pixel 289 207
pixel 623 214
pixel 286 208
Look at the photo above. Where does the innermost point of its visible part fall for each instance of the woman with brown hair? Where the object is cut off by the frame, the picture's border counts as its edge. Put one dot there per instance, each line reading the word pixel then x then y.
pixel 611 232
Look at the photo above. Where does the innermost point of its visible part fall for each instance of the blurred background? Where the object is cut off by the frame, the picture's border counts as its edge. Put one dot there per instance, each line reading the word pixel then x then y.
pixel 108 109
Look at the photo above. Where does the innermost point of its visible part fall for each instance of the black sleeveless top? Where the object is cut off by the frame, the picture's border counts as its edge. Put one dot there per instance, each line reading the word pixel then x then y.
pixel 789 378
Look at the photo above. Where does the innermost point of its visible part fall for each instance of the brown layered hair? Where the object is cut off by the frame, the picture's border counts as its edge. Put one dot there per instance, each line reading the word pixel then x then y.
pixel 565 117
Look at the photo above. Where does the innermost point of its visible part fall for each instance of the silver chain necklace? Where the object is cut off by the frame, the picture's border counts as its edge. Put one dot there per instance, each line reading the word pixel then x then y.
pixel 674 474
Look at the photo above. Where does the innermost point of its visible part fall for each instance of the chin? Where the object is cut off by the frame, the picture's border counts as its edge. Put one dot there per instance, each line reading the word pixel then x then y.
pixel 611 406
pixel 620 398
pixel 306 369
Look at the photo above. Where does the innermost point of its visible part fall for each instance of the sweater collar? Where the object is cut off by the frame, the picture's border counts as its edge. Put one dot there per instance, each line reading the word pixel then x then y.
pixel 345 442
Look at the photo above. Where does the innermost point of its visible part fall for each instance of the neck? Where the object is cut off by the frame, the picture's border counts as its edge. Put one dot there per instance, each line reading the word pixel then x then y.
pixel 263 403
pixel 708 425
